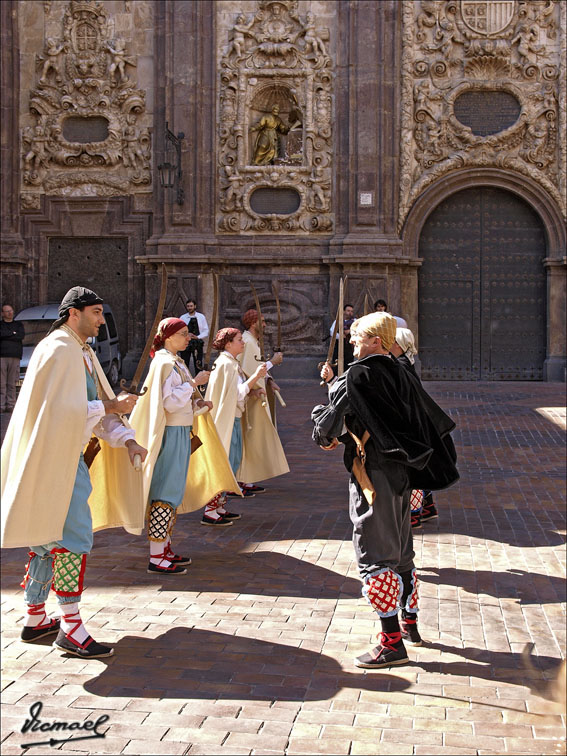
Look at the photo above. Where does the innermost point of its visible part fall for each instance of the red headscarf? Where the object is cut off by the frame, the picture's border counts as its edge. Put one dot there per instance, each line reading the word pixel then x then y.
pixel 166 328
pixel 249 318
pixel 224 336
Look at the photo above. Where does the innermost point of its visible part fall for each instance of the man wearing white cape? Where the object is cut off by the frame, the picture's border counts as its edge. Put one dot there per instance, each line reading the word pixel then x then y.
pixel 47 494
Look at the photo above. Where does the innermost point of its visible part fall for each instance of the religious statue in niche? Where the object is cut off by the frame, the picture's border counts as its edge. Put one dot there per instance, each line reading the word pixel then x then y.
pixel 84 75
pixel 275 120
pixel 268 128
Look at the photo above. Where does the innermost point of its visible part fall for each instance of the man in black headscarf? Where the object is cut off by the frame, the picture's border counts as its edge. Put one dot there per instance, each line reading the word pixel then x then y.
pixel 65 398
pixel 396 438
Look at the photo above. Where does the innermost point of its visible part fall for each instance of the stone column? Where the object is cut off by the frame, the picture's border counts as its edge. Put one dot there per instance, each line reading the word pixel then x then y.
pixel 13 255
pixel 555 364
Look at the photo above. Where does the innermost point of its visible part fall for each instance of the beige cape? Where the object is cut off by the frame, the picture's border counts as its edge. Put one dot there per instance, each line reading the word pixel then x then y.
pixel 209 469
pixel 262 454
pixel 41 451
pixel 249 362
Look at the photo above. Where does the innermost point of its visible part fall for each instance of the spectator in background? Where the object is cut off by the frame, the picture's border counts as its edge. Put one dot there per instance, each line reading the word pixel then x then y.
pixel 198 332
pixel 380 305
pixel 11 338
pixel 348 320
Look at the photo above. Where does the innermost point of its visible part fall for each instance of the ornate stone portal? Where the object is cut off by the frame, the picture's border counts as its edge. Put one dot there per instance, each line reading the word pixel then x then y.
pixel 275 131
pixel 482 87
pixel 86 108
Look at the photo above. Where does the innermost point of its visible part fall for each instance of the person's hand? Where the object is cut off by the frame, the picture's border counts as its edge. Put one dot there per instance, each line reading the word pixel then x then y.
pixel 260 371
pixel 203 403
pixel 191 336
pixel 123 404
pixel 201 378
pixel 134 448
pixel 327 372
pixel 333 445
pixel 277 359
pixel 258 393
pixel 273 384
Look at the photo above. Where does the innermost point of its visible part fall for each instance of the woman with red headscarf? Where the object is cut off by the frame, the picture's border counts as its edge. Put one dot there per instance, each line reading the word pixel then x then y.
pixel 229 390
pixel 165 419
pixel 233 395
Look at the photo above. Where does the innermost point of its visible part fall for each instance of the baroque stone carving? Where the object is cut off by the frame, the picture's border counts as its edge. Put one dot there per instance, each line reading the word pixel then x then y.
pixel 86 76
pixel 275 120
pixel 455 46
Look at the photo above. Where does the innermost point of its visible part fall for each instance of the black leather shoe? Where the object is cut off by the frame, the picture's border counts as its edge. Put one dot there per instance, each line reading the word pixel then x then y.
pixel 31 634
pixel 219 523
pixel 390 653
pixel 231 516
pixel 90 649
pixel 173 569
pixel 176 559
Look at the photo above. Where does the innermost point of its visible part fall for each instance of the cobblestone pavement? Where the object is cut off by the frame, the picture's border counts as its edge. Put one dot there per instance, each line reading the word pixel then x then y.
pixel 251 651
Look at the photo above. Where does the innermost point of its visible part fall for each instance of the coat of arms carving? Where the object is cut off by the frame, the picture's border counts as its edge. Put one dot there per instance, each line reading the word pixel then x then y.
pixel 86 107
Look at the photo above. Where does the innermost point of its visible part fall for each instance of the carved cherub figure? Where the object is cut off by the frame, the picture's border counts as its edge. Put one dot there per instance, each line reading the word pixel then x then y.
pixel 50 64
pixel 118 60
pixel 233 194
pixel 133 152
pixel 37 155
pixel 313 43
pixel 240 30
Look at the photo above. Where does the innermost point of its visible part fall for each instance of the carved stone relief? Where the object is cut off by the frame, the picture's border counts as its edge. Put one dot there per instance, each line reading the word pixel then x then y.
pixel 303 307
pixel 454 47
pixel 87 138
pixel 275 123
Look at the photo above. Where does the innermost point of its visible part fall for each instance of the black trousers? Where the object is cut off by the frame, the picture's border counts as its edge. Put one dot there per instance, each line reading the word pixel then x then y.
pixel 194 352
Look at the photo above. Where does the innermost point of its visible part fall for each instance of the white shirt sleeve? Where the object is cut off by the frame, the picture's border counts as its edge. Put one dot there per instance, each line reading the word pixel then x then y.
pixel 111 430
pixel 175 392
pixel 331 329
pixel 95 412
pixel 203 326
pixel 184 317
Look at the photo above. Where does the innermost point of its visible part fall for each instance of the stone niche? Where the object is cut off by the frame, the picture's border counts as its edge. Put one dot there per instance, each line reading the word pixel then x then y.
pixel 483 87
pixel 275 121
pixel 86 130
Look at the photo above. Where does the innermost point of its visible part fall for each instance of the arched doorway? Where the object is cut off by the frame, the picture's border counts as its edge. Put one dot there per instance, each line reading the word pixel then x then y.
pixel 482 289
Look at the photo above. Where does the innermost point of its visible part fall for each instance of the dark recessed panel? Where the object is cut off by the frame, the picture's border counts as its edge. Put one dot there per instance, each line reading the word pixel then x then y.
pixel 85 130
pixel 267 201
pixel 487 112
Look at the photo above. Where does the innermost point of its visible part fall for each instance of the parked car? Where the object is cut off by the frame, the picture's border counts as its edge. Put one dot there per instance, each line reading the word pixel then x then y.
pixel 37 322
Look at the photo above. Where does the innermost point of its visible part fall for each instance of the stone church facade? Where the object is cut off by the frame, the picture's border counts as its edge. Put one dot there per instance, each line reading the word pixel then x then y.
pixel 416 146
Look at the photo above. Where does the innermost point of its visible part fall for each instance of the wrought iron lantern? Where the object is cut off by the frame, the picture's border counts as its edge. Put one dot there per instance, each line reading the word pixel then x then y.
pixel 170 171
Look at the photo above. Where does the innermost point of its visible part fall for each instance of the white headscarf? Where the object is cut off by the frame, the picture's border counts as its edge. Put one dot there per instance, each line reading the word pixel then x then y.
pixel 404 339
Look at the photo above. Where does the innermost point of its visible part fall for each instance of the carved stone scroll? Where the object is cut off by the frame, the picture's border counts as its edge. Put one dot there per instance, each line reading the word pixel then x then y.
pixel 492 49
pixel 84 81
pixel 275 121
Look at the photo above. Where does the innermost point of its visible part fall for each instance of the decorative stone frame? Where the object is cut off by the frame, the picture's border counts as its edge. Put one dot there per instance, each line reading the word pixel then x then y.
pixel 92 217
pixel 254 64
pixel 556 238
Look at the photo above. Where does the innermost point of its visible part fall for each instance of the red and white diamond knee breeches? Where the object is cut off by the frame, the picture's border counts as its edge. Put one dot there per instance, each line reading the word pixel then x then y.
pixel 412 600
pixel 383 590
pixel 416 500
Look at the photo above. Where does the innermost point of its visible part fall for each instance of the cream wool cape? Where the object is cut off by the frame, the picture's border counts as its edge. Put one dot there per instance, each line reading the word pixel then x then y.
pixel 249 362
pixel 262 453
pixel 209 469
pixel 41 451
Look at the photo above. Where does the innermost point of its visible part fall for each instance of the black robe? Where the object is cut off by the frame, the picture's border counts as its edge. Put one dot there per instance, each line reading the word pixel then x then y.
pixel 406 426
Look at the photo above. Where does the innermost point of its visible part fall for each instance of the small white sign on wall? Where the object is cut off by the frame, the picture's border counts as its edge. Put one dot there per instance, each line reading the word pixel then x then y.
pixel 366 199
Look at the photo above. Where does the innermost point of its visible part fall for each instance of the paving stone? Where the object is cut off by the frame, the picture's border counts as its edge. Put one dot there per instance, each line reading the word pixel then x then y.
pixel 252 651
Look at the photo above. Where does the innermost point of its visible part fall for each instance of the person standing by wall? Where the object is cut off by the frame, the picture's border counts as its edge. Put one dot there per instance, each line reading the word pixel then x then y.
pixel 198 332
pixel 11 338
